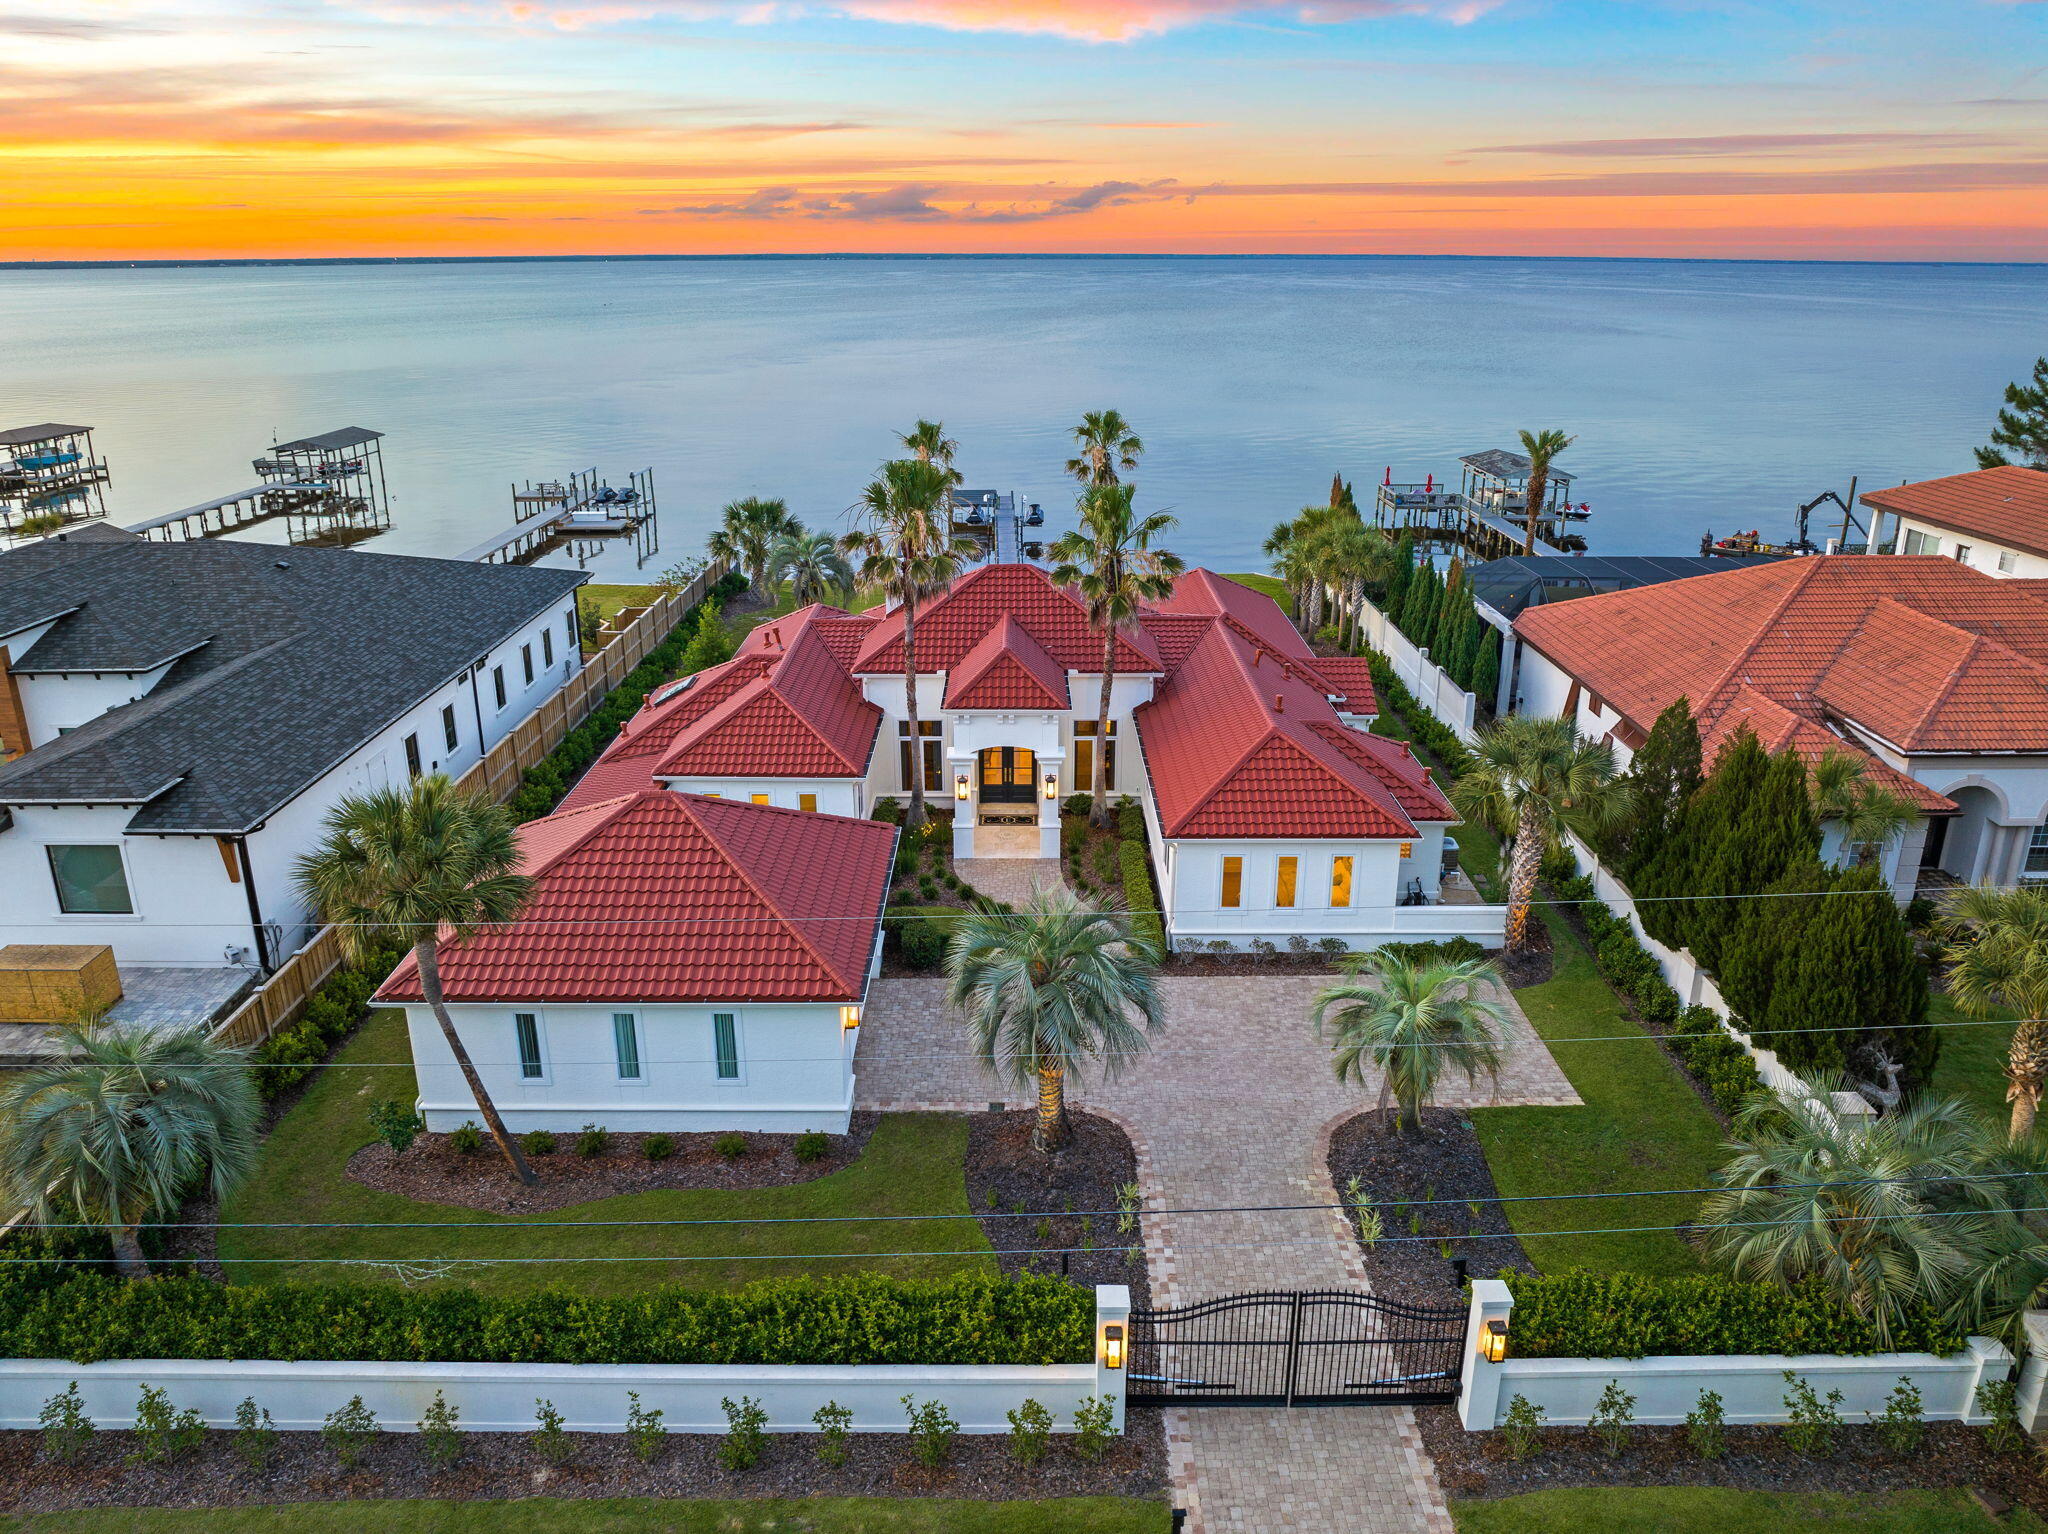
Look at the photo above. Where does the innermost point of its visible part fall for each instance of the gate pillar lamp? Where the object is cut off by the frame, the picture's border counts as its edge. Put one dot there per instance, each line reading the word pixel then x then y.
pixel 1113 1346
pixel 960 786
pixel 1052 785
pixel 1493 1341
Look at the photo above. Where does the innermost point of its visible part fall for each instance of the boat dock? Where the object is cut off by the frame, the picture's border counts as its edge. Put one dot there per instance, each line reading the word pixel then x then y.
pixel 579 514
pixel 49 477
pixel 1487 510
pixel 329 489
pixel 1013 534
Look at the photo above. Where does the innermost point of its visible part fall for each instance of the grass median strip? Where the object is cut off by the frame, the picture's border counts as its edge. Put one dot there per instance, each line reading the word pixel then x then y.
pixel 1714 1510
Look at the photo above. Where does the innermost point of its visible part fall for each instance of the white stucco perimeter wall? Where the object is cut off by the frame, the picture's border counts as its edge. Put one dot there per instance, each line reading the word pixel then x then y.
pixel 1430 683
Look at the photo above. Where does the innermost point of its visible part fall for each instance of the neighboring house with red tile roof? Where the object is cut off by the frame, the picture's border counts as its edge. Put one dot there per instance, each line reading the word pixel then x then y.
pixel 1994 520
pixel 685 963
pixel 1248 752
pixel 1934 672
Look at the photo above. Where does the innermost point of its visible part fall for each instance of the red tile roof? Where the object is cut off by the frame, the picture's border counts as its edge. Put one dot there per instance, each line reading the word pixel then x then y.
pixel 1350 683
pixel 659 896
pixel 1007 669
pixel 2007 505
pixel 1777 728
pixel 952 625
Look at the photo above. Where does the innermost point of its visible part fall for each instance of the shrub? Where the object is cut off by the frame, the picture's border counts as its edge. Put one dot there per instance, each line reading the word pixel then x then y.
pixel 538 1142
pixel 1705 1427
pixel 441 1432
pixel 923 945
pixel 1901 1428
pixel 163 1433
pixel 645 1431
pixel 1332 948
pixel 593 1140
pixel 1263 949
pixel 833 1421
pixel 812 1145
pixel 468 1138
pixel 1130 821
pixel 658 1147
pixel 1141 896
pixel 932 1431
pixel 349 1431
pixel 396 1124
pixel 888 811
pixel 1613 1413
pixel 1077 804
pixel 550 1444
pixel 1999 1400
pixel 1811 1418
pixel 1030 1432
pixel 1521 1429
pixel 731 1146
pixel 255 1437
pixel 65 1427
pixel 740 1449
pixel 1455 950
pixel 1299 947
pixel 1094 1427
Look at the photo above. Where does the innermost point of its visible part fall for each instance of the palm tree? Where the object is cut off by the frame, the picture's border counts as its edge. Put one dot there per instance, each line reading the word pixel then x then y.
pixel 813 566
pixel 927 442
pixel 1869 815
pixel 747 538
pixel 1541 446
pixel 908 553
pixel 1357 557
pixel 1997 960
pixel 1411 1022
pixel 1532 778
pixel 418 865
pixel 1109 560
pixel 1872 1208
pixel 1107 444
pixel 124 1126
pixel 1048 986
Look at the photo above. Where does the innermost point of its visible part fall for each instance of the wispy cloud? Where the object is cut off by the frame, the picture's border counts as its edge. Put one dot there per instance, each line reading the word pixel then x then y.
pixel 918 203
pixel 1737 145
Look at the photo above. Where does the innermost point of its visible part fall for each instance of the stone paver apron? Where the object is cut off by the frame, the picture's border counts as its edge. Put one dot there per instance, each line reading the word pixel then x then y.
pixel 1233 1107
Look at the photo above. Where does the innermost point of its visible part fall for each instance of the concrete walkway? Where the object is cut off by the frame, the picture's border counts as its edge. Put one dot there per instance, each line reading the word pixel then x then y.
pixel 1233 1106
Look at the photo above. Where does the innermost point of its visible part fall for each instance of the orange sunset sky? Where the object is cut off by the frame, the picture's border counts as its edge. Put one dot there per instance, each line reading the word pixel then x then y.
pixel 164 129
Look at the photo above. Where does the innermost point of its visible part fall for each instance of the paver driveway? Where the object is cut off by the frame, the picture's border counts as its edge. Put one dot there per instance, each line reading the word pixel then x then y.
pixel 1232 1107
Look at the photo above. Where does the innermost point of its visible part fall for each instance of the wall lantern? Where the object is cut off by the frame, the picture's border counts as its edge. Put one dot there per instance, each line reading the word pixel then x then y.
pixel 1052 785
pixel 960 786
pixel 1113 1346
pixel 1407 849
pixel 1493 1341
pixel 849 1017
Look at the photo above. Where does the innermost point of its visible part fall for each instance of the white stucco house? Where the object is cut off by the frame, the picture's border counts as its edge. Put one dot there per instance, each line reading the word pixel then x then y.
pixel 1994 520
pixel 178 719
pixel 686 963
pixel 1934 672
pixel 1271 809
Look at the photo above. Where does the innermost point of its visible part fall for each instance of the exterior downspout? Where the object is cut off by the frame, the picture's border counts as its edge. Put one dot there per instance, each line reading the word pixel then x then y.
pixel 476 702
pixel 263 957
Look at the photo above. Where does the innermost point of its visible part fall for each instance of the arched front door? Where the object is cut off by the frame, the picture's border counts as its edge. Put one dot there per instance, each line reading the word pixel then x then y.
pixel 1008 775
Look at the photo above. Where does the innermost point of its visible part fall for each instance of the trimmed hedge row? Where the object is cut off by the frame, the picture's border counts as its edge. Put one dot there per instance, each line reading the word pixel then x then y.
pixel 1632 1315
pixel 549 779
pixel 1428 730
pixel 289 1055
pixel 1140 895
pixel 860 1319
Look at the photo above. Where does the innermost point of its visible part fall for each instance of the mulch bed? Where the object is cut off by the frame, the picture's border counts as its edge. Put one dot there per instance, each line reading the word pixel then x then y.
pixel 1400 1174
pixel 1004 1175
pixel 434 1173
pixel 497 1466
pixel 1477 1465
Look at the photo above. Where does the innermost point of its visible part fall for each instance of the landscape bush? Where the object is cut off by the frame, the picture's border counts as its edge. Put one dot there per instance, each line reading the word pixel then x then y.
pixel 1452 950
pixel 1429 731
pixel 920 933
pixel 1634 1315
pixel 1141 896
pixel 49 1311
pixel 288 1056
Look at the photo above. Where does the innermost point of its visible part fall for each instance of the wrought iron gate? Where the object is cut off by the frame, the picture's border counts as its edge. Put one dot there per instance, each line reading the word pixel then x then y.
pixel 1298 1348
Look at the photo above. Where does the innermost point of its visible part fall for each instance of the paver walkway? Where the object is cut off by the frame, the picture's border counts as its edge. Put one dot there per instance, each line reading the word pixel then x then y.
pixel 1009 879
pixel 1232 1107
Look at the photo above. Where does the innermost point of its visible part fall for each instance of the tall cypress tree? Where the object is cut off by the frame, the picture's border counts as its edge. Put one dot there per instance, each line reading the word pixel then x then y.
pixel 1399 578
pixel 1767 934
pixel 1486 670
pixel 1666 773
pixel 2021 434
pixel 1763 822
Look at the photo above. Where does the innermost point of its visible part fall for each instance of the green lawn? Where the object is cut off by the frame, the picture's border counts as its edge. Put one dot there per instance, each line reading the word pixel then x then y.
pixel 1271 585
pixel 1641 1127
pixel 625 1515
pixel 1703 1510
pixel 912 1166
pixel 1971 1064
pixel 607 600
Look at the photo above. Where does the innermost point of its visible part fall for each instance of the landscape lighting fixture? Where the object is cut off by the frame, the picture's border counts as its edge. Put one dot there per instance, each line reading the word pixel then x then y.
pixel 960 786
pixel 1112 1347
pixel 1493 1341
pixel 1052 785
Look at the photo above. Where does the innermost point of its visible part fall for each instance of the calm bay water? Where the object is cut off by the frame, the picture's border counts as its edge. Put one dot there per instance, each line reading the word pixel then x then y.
pixel 1702 394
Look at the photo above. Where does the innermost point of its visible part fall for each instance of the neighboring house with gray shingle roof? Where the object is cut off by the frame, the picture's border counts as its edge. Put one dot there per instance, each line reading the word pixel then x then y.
pixel 176 720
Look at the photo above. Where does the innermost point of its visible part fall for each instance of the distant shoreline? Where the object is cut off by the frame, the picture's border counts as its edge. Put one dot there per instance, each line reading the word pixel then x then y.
pixel 1110 255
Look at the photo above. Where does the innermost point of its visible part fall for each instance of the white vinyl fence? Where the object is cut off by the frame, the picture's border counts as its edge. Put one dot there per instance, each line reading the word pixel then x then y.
pixel 1751 1386
pixel 591 1397
pixel 1430 683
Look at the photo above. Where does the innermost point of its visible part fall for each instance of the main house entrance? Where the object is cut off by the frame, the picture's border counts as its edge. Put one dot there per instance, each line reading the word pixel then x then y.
pixel 1008 776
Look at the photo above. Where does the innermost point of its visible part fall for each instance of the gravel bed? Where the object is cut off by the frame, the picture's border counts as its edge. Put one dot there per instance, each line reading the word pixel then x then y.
pixel 1476 1465
pixel 1439 1158
pixel 1004 1174
pixel 498 1466
pixel 433 1173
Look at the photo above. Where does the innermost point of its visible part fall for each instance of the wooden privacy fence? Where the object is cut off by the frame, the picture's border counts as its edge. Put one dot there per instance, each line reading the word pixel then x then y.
pixel 280 998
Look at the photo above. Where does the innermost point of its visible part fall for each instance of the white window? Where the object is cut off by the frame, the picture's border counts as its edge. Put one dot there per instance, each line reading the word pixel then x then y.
pixel 526 1034
pixel 91 881
pixel 2037 853
pixel 2007 561
pixel 626 1045
pixel 1962 553
pixel 547 647
pixel 498 684
pixel 1918 542
pixel 526 662
pixel 725 1045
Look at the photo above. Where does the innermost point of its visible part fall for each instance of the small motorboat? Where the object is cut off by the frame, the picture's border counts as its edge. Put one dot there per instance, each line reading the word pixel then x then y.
pixel 1035 517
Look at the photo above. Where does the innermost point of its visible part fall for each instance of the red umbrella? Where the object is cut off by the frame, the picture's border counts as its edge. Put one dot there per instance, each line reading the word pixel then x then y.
pixel 1429 487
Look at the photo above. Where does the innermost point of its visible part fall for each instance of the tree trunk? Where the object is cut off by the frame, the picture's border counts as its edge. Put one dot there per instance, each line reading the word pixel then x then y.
pixel 1386 1098
pixel 128 1252
pixel 429 955
pixel 2024 1061
pixel 1533 494
pixel 1098 805
pixel 915 818
pixel 1522 867
pixel 1050 1132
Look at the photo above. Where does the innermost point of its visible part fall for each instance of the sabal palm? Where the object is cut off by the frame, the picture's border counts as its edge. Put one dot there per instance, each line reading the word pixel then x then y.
pixel 1530 779
pixel 1870 816
pixel 418 865
pixel 119 1131
pixel 1110 562
pixel 1412 1022
pixel 927 442
pixel 1997 960
pixel 1542 447
pixel 908 552
pixel 1048 987
pixel 1106 444
pixel 813 566
pixel 1872 1208
pixel 747 536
